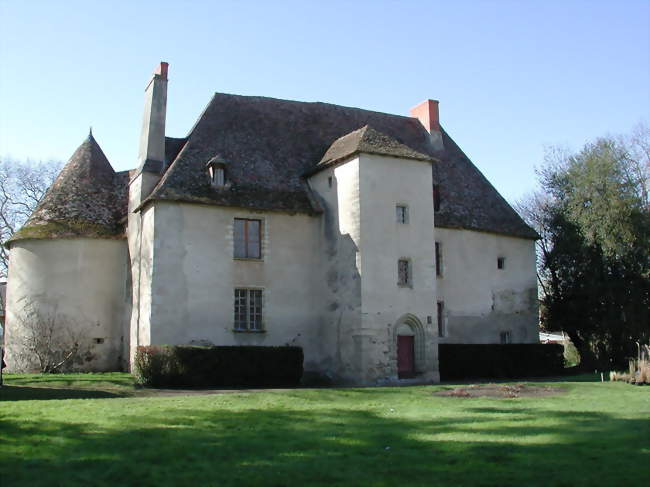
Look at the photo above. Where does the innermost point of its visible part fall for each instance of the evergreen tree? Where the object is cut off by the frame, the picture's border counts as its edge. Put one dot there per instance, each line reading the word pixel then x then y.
pixel 594 255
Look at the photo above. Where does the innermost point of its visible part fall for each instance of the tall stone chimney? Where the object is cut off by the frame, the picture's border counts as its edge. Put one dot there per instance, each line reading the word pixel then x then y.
pixel 152 138
pixel 428 114
pixel 151 158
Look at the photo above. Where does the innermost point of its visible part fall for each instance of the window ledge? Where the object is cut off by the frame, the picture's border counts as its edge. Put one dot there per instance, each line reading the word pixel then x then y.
pixel 408 286
pixel 235 330
pixel 248 259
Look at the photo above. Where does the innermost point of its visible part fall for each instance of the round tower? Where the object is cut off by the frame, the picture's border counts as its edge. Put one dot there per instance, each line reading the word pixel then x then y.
pixel 67 291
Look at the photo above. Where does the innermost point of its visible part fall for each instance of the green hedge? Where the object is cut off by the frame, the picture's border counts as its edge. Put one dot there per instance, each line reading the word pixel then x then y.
pixel 500 361
pixel 186 366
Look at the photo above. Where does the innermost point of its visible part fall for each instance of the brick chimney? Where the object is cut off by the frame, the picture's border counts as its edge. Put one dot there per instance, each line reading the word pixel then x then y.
pixel 429 116
pixel 152 138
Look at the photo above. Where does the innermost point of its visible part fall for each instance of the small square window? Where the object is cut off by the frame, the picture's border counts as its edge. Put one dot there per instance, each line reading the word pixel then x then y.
pixel 248 309
pixel 501 263
pixel 402 214
pixel 505 337
pixel 404 273
pixel 248 238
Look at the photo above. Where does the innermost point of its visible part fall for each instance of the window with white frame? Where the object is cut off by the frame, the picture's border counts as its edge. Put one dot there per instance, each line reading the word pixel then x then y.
pixel 402 213
pixel 404 273
pixel 248 309
pixel 248 238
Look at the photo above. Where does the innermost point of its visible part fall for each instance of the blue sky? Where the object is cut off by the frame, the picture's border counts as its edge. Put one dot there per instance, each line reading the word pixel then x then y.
pixel 511 77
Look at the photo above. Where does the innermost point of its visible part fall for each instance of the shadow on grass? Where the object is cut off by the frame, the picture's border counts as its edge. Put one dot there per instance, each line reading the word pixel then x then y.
pixel 23 393
pixel 279 447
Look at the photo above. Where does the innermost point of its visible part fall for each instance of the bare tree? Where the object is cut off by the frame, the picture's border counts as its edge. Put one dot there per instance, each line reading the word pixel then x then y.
pixel 22 186
pixel 49 342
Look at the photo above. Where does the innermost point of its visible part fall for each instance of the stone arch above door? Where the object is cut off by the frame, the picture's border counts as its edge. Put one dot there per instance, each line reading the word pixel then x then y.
pixel 410 325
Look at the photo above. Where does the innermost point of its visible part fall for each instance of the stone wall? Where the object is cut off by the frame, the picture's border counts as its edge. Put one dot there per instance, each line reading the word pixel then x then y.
pixel 78 283
pixel 480 300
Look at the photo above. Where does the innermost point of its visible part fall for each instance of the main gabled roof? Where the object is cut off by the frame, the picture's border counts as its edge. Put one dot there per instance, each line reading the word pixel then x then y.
pixel 271 144
pixel 468 200
pixel 87 199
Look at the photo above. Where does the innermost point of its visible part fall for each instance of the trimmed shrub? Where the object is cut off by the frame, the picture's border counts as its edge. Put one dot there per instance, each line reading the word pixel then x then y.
pixel 237 366
pixel 500 361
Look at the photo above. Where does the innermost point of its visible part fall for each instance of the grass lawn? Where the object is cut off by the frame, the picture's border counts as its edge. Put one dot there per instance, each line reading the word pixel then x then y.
pixel 97 429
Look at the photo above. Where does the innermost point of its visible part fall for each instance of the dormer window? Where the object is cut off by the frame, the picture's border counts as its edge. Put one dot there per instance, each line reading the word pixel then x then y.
pixel 217 172
pixel 217 176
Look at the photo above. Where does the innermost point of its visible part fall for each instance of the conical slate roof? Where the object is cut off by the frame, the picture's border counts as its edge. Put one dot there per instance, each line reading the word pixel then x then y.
pixel 368 140
pixel 87 199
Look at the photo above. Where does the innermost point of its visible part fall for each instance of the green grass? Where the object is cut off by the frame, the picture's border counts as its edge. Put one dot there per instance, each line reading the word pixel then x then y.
pixel 99 430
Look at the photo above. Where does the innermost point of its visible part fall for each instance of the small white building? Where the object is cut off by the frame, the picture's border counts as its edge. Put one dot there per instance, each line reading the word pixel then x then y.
pixel 365 238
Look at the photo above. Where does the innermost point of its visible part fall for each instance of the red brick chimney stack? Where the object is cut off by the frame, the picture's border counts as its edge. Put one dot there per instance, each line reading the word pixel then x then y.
pixel 429 116
pixel 161 70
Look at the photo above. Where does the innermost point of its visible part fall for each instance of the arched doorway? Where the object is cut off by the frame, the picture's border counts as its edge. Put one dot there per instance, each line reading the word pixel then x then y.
pixel 409 346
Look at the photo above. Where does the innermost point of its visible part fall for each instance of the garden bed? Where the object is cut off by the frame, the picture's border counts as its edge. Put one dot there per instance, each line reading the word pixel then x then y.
pixel 503 391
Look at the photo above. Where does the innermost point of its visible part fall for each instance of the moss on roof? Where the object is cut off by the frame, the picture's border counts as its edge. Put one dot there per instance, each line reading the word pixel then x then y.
pixel 87 199
pixel 67 229
pixel 270 146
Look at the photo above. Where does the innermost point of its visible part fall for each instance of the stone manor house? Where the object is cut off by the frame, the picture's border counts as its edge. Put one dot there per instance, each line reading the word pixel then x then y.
pixel 365 238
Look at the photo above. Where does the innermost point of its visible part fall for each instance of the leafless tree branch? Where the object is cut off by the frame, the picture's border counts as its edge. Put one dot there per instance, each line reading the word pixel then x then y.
pixel 22 186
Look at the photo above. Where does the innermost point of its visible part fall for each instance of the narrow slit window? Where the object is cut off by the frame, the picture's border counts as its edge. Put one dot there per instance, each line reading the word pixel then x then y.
pixel 436 197
pixel 438 259
pixel 501 263
pixel 404 273
pixel 441 319
pixel 505 337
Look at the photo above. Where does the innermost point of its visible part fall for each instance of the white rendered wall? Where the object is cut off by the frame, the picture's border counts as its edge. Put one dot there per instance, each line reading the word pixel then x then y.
pixel 194 275
pixel 385 183
pixel 339 288
pixel 361 244
pixel 140 234
pixel 480 300
pixel 79 281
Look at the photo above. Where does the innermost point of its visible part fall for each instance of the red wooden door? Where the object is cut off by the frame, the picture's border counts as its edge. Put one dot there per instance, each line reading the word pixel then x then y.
pixel 405 357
